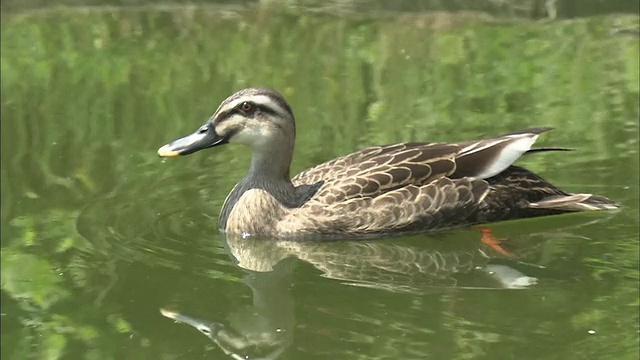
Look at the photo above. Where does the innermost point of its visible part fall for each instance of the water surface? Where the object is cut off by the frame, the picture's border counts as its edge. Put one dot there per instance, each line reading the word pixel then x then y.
pixel 99 234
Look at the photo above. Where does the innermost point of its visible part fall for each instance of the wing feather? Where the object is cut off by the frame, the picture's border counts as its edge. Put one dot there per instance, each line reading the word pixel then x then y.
pixel 373 171
pixel 436 205
pixel 405 186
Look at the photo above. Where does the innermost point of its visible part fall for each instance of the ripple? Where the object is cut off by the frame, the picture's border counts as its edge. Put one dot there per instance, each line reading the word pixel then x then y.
pixel 169 224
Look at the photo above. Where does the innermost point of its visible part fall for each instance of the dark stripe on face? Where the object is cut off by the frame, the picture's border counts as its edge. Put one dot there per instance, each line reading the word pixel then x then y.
pixel 265 109
pixel 237 110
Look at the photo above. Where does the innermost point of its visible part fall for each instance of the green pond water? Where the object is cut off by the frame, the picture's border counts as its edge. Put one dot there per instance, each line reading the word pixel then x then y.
pixel 104 244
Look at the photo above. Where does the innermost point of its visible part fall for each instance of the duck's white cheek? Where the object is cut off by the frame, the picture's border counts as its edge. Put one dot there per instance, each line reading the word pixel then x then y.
pixel 245 136
pixel 251 136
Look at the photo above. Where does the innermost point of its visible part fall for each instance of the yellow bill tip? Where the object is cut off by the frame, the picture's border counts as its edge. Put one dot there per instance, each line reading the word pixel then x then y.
pixel 166 151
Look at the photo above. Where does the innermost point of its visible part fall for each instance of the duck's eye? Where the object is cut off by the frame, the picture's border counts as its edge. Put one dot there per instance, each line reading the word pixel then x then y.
pixel 246 107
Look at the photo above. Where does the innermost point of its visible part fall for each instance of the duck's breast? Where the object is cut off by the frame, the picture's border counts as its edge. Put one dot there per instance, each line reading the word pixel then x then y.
pixel 256 213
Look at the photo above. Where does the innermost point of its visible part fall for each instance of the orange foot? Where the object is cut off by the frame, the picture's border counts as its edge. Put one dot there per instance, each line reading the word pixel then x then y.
pixel 492 241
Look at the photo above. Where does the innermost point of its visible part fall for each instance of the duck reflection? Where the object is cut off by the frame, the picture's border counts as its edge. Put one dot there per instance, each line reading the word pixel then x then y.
pixel 414 265
pixel 459 260
pixel 261 331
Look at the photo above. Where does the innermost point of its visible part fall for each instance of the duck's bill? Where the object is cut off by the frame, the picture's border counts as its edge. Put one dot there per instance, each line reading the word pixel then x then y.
pixel 204 138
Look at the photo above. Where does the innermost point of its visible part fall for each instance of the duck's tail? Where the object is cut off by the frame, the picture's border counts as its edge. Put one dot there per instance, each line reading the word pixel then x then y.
pixel 575 202
pixel 548 148
pixel 571 202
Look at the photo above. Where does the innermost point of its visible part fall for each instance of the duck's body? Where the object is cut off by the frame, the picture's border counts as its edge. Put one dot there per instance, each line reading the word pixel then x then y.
pixel 406 187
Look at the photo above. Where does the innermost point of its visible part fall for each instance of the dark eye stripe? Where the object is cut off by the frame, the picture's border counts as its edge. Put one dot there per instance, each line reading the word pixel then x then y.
pixel 225 114
pixel 238 110
pixel 256 107
pixel 265 109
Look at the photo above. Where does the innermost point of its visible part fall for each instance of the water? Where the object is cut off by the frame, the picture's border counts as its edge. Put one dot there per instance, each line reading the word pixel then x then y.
pixel 103 242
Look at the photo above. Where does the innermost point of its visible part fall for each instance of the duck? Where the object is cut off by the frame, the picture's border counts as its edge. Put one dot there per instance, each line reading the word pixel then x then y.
pixel 377 191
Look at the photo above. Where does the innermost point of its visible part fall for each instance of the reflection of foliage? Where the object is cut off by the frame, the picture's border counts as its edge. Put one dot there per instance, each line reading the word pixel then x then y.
pixel 613 318
pixel 32 279
pixel 126 79
pixel 89 95
pixel 506 8
pixel 38 285
pixel 58 225
pixel 26 275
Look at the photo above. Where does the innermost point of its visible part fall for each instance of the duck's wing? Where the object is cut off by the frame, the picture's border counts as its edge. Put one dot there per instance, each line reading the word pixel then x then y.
pixel 373 171
pixel 430 186
pixel 368 158
pixel 441 204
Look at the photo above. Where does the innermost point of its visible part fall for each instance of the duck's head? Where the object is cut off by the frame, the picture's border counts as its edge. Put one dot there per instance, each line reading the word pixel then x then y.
pixel 257 117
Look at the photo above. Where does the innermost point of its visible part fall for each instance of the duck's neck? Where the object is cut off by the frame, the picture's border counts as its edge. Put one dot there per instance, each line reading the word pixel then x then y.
pixel 269 171
pixel 270 166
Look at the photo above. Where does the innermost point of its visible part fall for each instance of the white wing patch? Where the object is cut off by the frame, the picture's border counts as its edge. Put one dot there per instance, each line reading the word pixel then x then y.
pixel 516 147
